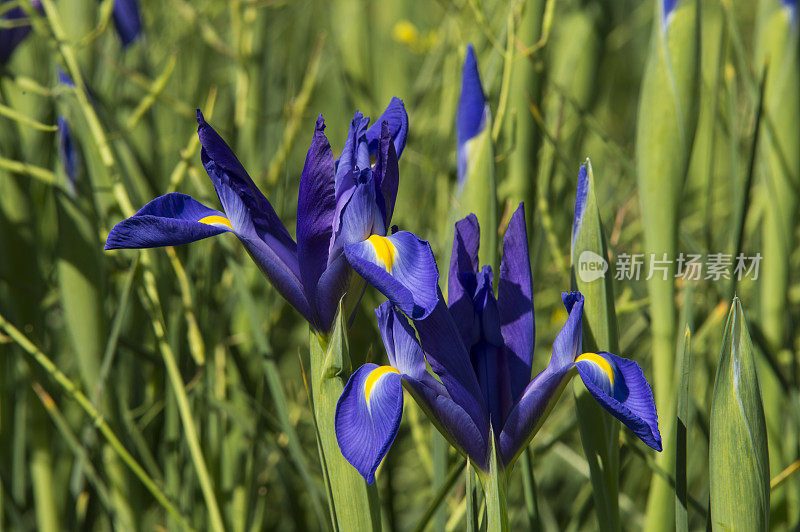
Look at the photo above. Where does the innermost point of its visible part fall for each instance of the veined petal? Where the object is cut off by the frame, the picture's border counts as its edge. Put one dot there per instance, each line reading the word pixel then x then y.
pixel 620 386
pixel 450 360
pixel 473 111
pixel 168 220
pixel 402 267
pixel 460 287
pixel 316 204
pixel 541 394
pixel 127 20
pixel 515 303
pixel 397 119
pixel 368 416
pixel 450 418
pixel 386 175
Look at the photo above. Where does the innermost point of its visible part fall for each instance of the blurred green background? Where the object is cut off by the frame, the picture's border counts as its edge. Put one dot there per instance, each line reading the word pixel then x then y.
pixel 564 80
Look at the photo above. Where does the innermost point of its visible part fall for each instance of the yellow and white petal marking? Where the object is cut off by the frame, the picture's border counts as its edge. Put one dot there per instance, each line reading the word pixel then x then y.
pixel 384 251
pixel 215 219
pixel 600 362
pixel 373 377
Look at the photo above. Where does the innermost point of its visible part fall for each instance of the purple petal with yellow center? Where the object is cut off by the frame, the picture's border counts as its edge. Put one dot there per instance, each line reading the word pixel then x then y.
pixel 401 267
pixel 368 416
pixel 168 220
pixel 620 386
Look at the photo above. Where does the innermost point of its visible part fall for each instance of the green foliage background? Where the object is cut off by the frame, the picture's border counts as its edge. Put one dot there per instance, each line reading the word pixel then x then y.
pixel 563 79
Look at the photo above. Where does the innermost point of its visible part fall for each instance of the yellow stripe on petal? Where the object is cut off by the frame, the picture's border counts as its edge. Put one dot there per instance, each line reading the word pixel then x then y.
pixel 384 250
pixel 216 219
pixel 373 377
pixel 601 362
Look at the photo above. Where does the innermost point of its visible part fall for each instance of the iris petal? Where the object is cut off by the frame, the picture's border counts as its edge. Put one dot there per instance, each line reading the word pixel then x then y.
pixel 368 416
pixel 540 395
pixel 401 267
pixel 168 220
pixel 450 360
pixel 620 386
pixel 464 259
pixel 316 204
pixel 127 20
pixel 515 303
pixel 451 420
pixel 10 38
pixel 397 119
pixel 473 111
pixel 386 175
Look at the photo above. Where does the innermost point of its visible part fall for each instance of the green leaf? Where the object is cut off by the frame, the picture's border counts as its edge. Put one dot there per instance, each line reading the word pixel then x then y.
pixel 738 457
pixel 683 424
pixel 494 489
pixel 599 431
pixel 355 503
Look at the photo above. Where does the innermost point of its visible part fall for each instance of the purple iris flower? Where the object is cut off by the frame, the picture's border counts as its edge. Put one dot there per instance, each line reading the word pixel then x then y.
pixel 127 20
pixel 473 113
pixel 480 348
pixel 10 38
pixel 344 210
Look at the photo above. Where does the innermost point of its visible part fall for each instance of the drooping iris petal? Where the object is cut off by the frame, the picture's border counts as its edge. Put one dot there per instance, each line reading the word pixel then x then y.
pixel 386 175
pixel 473 111
pixel 127 20
pixel 68 152
pixel 401 267
pixel 316 204
pixel 10 38
pixel 451 420
pixel 168 220
pixel 515 303
pixel 449 359
pixel 368 416
pixel 397 119
pixel 620 386
pixel 541 394
pixel 460 287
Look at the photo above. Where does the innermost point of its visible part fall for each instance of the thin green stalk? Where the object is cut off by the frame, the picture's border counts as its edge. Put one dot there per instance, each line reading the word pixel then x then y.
pixel 72 390
pixel 439 496
pixel 176 382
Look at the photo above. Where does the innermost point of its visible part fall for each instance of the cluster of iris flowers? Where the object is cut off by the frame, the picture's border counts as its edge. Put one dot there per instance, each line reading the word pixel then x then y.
pixel 467 361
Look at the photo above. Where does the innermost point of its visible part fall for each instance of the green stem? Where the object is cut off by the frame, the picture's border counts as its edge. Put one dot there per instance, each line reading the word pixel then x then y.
pixel 355 504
